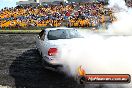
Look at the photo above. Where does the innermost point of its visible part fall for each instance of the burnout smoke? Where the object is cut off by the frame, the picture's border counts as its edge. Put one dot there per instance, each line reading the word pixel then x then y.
pixel 123 15
pixel 103 54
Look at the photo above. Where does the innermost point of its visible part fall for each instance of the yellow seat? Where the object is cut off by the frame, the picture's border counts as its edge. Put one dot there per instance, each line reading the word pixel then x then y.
pixel 76 24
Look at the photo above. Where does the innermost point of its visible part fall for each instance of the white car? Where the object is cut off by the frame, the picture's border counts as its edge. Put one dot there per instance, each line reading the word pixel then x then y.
pixel 50 41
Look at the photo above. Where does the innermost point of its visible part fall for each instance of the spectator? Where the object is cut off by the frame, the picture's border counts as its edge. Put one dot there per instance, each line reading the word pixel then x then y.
pixel 73 14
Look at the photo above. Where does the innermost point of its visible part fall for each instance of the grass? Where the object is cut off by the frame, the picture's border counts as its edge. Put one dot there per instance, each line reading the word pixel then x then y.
pixel 19 31
pixel 23 30
pixel 31 30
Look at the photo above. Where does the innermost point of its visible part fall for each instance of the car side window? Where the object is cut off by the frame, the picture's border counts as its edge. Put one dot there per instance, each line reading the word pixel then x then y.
pixel 42 35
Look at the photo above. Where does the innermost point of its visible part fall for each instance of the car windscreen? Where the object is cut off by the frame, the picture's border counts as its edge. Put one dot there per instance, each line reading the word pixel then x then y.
pixel 63 34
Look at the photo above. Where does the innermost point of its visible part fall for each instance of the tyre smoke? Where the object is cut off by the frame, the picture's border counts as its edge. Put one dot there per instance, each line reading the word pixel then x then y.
pixel 104 53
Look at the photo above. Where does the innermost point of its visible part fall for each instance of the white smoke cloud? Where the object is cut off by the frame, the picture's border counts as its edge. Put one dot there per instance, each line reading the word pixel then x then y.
pixel 100 55
pixel 123 14
pixel 123 24
pixel 103 54
pixel 118 3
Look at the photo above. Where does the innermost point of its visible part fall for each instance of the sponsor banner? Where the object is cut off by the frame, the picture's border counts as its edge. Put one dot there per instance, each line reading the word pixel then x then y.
pixel 105 78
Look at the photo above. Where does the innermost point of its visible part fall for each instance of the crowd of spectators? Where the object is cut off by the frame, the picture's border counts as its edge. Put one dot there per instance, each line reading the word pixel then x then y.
pixel 50 15
pixel 129 3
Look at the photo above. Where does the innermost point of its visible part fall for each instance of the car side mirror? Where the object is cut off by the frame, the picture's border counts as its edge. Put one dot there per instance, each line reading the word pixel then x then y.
pixel 38 36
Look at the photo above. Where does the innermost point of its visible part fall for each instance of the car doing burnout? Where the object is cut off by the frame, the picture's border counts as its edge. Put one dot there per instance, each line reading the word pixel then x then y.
pixel 51 41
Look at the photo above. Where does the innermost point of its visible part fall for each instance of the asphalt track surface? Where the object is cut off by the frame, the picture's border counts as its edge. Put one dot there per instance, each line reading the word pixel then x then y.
pixel 20 66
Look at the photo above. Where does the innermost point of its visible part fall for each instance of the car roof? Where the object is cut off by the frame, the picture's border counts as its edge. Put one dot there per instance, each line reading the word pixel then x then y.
pixel 48 29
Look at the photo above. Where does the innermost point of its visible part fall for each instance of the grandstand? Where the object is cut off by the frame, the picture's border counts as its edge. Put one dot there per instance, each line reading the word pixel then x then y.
pixel 50 15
